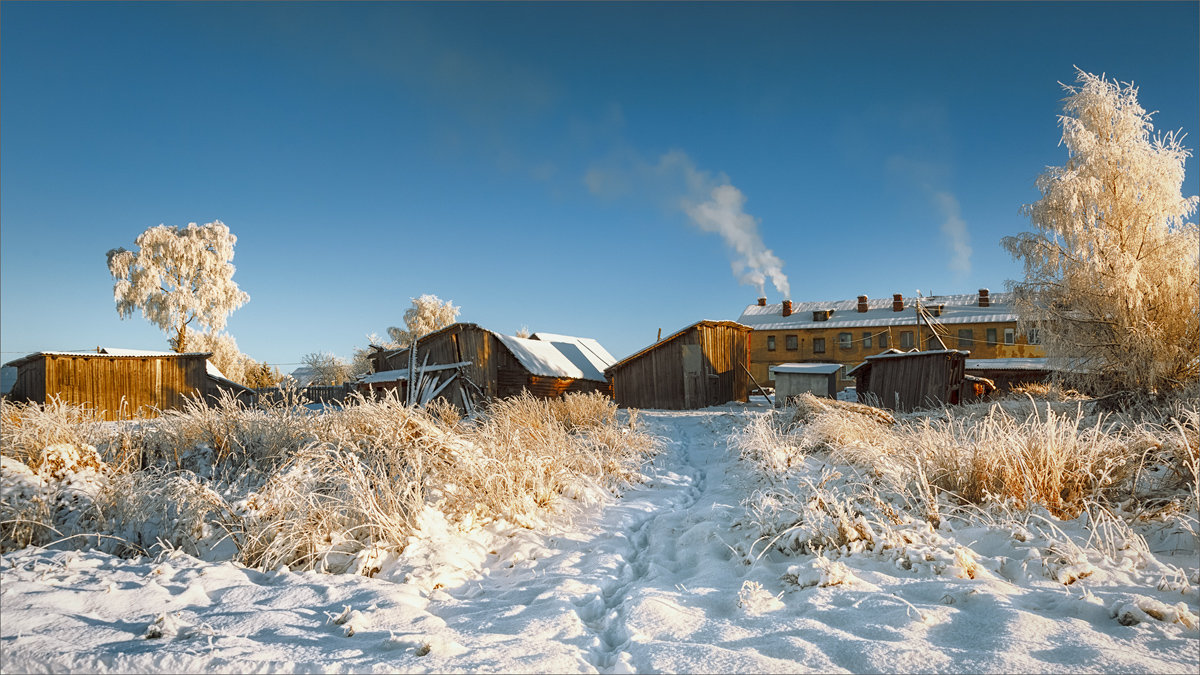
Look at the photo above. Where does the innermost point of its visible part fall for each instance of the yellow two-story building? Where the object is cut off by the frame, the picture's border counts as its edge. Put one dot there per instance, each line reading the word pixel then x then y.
pixel 848 331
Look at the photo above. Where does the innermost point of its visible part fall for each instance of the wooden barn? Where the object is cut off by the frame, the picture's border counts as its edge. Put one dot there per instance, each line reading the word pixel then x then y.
pixel 705 364
pixel 120 383
pixel 906 381
pixel 465 363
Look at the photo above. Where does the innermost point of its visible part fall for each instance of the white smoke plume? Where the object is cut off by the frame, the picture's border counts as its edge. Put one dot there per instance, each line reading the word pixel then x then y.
pixel 712 203
pixel 955 229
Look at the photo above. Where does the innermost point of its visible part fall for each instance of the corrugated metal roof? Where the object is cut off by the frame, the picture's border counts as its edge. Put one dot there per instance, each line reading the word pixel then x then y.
pixel 963 308
pixel 807 368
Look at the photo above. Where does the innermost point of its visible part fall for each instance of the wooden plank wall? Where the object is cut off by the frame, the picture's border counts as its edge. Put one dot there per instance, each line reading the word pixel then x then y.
pixel 657 379
pixel 121 388
pixel 921 380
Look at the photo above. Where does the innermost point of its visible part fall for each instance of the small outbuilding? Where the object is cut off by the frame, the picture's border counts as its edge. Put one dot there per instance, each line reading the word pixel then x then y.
pixel 465 363
pixel 121 383
pixel 1011 372
pixel 906 381
pixel 705 364
pixel 793 379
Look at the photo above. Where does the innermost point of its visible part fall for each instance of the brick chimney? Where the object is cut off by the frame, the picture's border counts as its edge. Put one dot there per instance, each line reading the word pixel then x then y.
pixel 862 303
pixel 762 302
pixel 897 302
pixel 787 307
pixel 984 299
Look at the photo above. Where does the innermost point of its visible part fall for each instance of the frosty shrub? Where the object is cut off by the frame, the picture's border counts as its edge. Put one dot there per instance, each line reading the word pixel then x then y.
pixel 1112 270
pixel 177 277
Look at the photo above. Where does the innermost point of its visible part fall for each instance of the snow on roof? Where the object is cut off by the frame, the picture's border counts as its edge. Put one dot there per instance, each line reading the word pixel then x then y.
pixel 585 353
pixel 544 359
pixel 385 376
pixel 107 351
pixel 962 308
pixel 807 368
pixel 1009 364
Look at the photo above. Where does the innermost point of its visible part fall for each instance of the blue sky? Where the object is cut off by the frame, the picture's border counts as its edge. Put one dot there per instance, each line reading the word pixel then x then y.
pixel 532 162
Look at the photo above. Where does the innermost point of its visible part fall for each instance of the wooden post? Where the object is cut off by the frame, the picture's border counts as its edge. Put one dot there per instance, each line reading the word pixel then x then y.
pixel 756 385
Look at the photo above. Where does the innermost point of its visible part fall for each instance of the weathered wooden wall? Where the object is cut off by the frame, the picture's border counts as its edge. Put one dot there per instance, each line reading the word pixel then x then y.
pixel 701 366
pixel 119 387
pixel 494 369
pixel 918 380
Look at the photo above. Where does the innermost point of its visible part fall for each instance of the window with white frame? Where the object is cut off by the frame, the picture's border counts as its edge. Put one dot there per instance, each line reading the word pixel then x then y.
pixel 1010 336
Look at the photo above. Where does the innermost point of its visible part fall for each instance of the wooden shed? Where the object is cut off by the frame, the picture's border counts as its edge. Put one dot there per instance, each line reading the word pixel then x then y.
pixel 469 363
pixel 1010 372
pixel 906 381
pixel 118 383
pixel 705 364
pixel 793 379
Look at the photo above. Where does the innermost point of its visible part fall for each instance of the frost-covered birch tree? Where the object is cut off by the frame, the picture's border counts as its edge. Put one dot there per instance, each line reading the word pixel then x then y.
pixel 326 368
pixel 1111 270
pixel 178 277
pixel 427 314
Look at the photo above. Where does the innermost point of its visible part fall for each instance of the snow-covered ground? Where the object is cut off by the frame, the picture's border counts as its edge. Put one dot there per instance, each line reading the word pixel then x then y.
pixel 666 579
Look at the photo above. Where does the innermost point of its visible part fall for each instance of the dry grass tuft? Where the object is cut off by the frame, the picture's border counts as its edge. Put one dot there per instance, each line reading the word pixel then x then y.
pixel 293 486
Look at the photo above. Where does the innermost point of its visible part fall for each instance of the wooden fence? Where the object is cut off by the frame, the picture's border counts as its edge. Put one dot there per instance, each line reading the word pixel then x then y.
pixel 314 394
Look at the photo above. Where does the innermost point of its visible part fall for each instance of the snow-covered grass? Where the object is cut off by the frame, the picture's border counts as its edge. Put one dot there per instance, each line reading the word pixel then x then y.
pixel 1081 494
pixel 285 485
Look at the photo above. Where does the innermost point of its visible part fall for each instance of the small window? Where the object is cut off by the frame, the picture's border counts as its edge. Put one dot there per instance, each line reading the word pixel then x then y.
pixel 931 342
pixel 1034 336
pixel 818 345
pixel 793 343
pixel 991 337
pixel 845 341
pixel 883 340
pixel 1010 336
pixel 966 338
pixel 906 339
pixel 770 343
pixel 866 340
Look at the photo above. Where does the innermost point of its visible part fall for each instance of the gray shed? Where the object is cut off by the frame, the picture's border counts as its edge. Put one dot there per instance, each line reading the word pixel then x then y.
pixel 793 379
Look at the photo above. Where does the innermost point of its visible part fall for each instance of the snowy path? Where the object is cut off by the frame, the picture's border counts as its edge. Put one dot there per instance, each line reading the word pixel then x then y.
pixel 646 584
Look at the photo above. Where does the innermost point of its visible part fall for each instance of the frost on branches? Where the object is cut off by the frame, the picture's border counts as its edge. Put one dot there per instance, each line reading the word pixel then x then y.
pixel 177 277
pixel 428 313
pixel 1111 272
